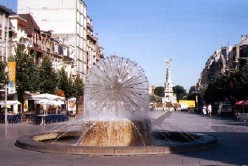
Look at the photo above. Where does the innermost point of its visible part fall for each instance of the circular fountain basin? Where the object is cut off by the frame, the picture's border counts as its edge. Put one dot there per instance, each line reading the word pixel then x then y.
pixel 174 142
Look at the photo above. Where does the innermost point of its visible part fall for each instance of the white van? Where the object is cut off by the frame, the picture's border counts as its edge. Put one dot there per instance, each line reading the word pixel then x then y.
pixel 225 109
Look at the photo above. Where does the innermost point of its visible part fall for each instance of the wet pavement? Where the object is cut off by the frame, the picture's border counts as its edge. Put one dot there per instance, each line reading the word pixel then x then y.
pixel 232 147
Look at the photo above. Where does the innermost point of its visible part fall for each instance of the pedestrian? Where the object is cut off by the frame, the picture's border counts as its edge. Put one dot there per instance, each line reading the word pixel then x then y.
pixel 209 109
pixel 204 110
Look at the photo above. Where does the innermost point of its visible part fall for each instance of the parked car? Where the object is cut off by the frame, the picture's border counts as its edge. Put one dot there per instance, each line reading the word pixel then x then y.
pixel 225 109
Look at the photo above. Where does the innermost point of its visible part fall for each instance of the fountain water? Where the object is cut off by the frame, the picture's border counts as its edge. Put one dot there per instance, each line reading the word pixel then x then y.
pixel 116 97
pixel 116 118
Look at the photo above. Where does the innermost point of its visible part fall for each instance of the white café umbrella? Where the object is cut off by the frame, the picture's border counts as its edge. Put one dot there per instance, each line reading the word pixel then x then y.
pixel 10 102
pixel 49 102
pixel 47 96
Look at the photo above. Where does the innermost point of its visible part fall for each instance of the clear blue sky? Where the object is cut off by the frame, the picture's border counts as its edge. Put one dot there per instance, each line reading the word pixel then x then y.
pixel 148 31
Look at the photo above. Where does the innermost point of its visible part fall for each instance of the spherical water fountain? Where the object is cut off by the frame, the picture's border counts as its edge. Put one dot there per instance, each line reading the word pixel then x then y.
pixel 116 118
pixel 116 97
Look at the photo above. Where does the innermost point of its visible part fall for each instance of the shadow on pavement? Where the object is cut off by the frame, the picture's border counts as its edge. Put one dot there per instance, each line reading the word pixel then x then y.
pixel 232 148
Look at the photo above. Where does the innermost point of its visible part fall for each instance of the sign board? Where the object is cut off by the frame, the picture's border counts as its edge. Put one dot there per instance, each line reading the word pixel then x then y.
pixel 185 104
pixel 12 77
pixel 72 104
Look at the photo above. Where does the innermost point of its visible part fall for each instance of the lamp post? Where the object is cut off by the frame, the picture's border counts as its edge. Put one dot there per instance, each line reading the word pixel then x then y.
pixel 6 99
pixel 5 109
pixel 6 70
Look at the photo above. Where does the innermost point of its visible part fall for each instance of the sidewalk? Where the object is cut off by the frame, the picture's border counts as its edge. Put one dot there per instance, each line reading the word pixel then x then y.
pixel 231 149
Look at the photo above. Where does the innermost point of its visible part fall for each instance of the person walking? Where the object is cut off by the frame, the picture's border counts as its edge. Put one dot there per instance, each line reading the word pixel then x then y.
pixel 209 109
pixel 204 110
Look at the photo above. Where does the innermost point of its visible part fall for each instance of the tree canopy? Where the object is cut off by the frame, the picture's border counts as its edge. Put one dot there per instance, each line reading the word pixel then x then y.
pixel 159 91
pixel 26 73
pixel 3 74
pixel 180 92
pixel 48 77
pixel 232 87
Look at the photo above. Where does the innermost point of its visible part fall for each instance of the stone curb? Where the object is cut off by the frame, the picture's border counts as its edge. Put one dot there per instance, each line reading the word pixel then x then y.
pixel 33 143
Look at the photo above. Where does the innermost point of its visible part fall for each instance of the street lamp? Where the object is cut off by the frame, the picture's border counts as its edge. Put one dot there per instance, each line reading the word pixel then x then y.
pixel 6 99
pixel 6 70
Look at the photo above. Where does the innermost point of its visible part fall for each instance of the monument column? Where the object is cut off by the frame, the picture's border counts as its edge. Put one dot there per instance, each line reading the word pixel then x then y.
pixel 169 98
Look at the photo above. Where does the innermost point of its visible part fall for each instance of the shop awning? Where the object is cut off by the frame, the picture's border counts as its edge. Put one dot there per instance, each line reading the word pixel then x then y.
pixel 242 102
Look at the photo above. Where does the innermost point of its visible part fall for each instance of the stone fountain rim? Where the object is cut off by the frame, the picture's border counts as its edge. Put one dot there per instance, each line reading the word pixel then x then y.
pixel 28 142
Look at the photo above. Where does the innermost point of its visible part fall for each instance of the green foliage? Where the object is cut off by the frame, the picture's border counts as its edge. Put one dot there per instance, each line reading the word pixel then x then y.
pixel 192 89
pixel 48 77
pixel 240 82
pixel 11 59
pixel 180 92
pixel 232 87
pixel 216 91
pixel 3 74
pixel 78 86
pixel 70 88
pixel 26 73
pixel 192 93
pixel 65 83
pixel 159 91
pixel 43 78
pixel 77 89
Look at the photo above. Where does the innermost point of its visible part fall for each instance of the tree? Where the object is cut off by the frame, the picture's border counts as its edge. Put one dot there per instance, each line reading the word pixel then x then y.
pixel 179 91
pixel 78 88
pixel 159 91
pixel 232 87
pixel 216 91
pixel 3 74
pixel 26 73
pixel 192 89
pixel 65 84
pixel 244 81
pixel 48 77
pixel 192 93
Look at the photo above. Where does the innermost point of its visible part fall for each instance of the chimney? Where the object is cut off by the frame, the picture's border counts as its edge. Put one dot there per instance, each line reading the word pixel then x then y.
pixel 243 37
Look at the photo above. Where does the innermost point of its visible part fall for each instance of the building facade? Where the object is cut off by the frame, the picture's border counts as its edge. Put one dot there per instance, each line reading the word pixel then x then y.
pixel 43 43
pixel 223 62
pixel 94 51
pixel 6 32
pixel 68 24
pixel 24 32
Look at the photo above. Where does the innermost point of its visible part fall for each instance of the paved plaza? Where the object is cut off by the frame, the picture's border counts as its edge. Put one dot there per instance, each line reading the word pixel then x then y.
pixel 232 147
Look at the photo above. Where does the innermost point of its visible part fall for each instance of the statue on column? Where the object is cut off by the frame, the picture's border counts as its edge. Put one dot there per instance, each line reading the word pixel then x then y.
pixel 168 83
pixel 169 98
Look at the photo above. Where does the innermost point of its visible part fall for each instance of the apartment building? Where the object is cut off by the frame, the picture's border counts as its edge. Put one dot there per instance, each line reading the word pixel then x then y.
pixel 5 32
pixel 94 52
pixel 43 43
pixel 23 31
pixel 223 62
pixel 67 20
